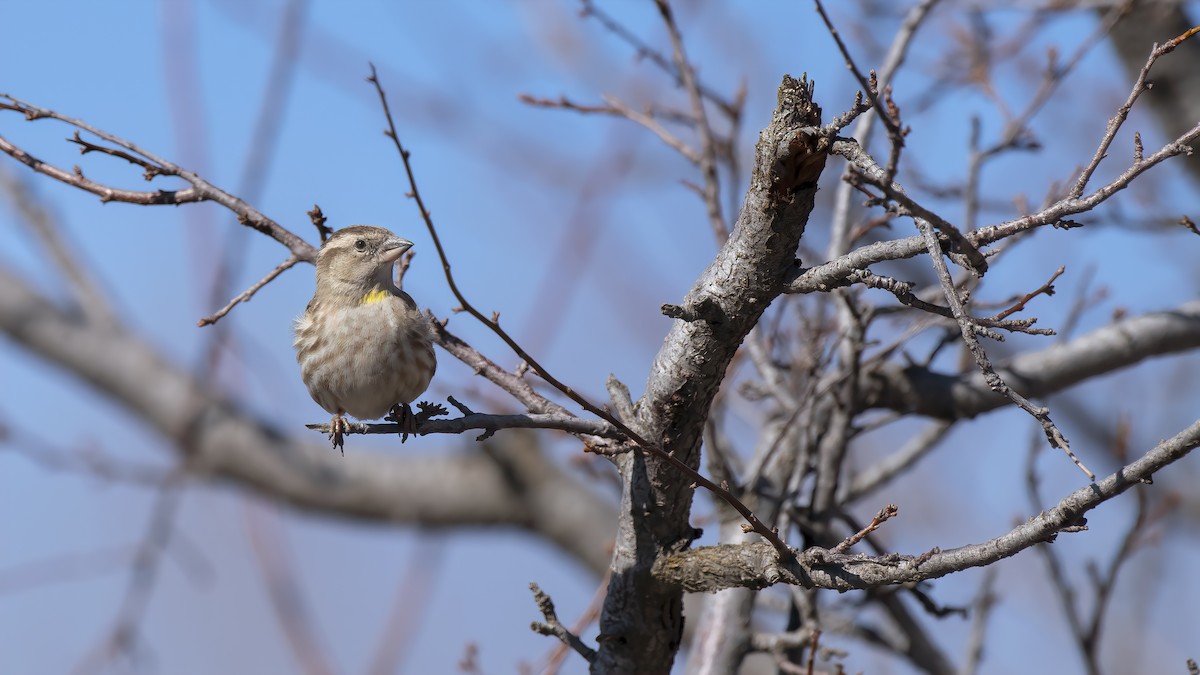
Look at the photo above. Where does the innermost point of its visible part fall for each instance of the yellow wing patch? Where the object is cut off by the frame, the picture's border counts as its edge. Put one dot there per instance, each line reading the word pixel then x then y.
pixel 375 295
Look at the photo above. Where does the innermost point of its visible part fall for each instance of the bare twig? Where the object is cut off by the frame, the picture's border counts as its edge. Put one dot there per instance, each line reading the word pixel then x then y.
pixel 552 627
pixel 841 237
pixel 864 166
pixel 904 293
pixel 245 295
pixel 1087 630
pixel 256 170
pixel 514 384
pixel 831 274
pixel 812 651
pixel 884 470
pixel 589 616
pixel 652 125
pixel 318 220
pixel 969 330
pixel 614 106
pixel 731 109
pixel 1016 134
pixel 708 155
pixel 1114 124
pixel 1045 289
pixel 882 516
pixel 865 85
pixel 200 190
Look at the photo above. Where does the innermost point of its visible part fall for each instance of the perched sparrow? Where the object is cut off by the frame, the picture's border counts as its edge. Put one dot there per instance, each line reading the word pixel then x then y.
pixel 363 346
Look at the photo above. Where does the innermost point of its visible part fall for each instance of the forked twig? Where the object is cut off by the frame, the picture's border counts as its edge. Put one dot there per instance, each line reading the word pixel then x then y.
pixel 554 628
pixel 1114 124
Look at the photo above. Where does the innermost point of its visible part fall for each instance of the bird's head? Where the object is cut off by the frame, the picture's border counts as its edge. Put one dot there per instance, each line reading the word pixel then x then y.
pixel 359 258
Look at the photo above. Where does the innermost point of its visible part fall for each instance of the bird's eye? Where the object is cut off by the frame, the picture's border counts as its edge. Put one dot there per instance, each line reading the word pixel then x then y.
pixel 360 245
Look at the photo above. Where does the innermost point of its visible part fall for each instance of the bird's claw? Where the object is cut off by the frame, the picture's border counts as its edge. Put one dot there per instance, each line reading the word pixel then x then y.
pixel 338 426
pixel 402 415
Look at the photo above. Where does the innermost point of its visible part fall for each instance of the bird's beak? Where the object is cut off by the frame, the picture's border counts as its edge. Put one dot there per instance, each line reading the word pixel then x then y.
pixel 393 248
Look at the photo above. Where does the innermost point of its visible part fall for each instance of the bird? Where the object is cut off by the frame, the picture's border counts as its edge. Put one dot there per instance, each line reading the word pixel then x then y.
pixel 363 346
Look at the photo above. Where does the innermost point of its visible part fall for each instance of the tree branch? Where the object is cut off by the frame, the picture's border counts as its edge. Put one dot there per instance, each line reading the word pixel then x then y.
pixel 712 568
pixel 835 273
pixel 745 276
pixel 921 391
pixel 488 423
pixel 200 190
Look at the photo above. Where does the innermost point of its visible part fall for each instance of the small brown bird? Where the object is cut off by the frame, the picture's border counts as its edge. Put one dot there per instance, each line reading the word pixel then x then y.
pixel 363 346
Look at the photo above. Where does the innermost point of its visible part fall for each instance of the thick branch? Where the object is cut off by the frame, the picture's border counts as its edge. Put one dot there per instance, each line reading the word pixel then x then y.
pixel 642 619
pixel 915 389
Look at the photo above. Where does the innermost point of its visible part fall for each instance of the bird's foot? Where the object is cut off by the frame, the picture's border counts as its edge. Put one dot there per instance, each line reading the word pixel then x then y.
pixel 402 415
pixel 338 427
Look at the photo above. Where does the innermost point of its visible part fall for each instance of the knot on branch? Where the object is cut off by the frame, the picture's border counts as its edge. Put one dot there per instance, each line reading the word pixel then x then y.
pixel 707 310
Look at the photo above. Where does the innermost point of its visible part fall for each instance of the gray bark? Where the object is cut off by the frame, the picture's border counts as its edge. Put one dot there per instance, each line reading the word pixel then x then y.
pixel 642 622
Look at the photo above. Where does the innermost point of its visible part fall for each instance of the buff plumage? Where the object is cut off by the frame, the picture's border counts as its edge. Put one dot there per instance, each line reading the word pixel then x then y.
pixel 363 346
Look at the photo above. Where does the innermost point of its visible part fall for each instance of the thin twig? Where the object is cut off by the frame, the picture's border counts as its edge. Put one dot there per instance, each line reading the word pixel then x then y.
pixel 1114 124
pixel 200 190
pixel 614 106
pixel 731 109
pixel 831 274
pixel 871 92
pixel 881 517
pixel 886 469
pixel 708 154
pixel 841 237
pixel 1045 289
pixel 589 616
pixel 904 293
pixel 651 124
pixel 245 295
pixel 264 139
pixel 552 627
pixel 1016 130
pixel 514 384
pixel 969 330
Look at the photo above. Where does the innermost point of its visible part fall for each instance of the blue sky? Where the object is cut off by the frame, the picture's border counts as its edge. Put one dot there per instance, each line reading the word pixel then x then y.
pixel 514 190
